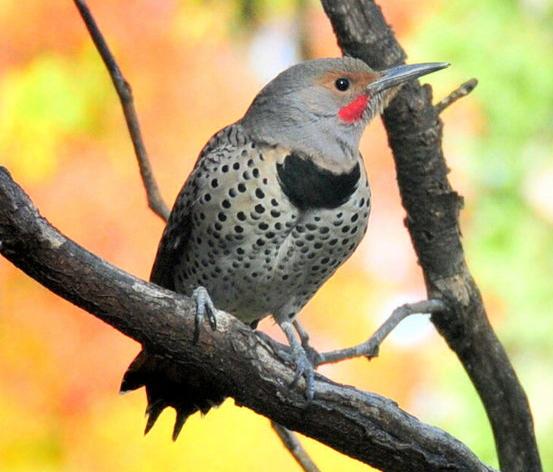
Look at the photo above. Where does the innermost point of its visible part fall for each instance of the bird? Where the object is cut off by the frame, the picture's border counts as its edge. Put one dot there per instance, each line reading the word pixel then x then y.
pixel 275 203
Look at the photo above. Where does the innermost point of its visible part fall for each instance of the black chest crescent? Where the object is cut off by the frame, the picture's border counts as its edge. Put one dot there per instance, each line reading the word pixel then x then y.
pixel 309 186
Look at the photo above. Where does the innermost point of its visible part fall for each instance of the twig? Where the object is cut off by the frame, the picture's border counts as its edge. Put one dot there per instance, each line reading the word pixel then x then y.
pixel 462 91
pixel 124 91
pixel 292 443
pixel 370 347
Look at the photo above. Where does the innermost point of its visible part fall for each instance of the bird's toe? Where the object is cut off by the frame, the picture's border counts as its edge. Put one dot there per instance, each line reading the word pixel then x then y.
pixel 204 306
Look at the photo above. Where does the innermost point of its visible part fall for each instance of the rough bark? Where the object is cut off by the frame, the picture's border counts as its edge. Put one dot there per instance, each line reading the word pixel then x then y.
pixel 415 134
pixel 362 425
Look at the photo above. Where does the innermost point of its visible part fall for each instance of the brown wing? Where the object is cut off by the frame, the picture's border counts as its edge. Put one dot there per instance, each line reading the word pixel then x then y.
pixel 177 232
pixel 174 239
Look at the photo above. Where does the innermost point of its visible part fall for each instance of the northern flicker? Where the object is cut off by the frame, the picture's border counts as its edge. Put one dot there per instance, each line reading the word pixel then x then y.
pixel 275 203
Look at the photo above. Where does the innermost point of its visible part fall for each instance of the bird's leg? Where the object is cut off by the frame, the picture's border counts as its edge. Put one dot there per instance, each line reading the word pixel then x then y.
pixel 370 347
pixel 204 305
pixel 302 333
pixel 304 368
pixel 312 353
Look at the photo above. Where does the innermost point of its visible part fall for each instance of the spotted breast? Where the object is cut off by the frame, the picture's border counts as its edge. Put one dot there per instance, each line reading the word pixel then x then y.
pixel 265 226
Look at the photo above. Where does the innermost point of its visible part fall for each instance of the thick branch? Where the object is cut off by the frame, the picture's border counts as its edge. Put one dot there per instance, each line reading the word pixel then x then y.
pixel 414 132
pixel 361 425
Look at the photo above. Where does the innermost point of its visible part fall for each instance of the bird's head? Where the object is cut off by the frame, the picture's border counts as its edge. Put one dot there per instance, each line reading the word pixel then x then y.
pixel 321 107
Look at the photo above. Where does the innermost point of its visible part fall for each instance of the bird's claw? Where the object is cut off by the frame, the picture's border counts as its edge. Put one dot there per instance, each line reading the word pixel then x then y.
pixel 304 369
pixel 204 306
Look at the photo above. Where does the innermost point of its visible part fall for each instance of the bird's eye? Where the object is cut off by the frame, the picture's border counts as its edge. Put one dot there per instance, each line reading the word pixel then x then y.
pixel 342 84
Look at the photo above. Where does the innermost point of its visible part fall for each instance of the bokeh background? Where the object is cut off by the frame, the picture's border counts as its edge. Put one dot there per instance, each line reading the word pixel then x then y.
pixel 195 66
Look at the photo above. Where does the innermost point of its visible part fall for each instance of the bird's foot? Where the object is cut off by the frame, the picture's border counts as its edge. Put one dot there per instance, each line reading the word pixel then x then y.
pixel 204 306
pixel 304 369
pixel 303 366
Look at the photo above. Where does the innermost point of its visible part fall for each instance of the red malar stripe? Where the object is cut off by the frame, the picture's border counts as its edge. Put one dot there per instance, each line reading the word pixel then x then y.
pixel 353 111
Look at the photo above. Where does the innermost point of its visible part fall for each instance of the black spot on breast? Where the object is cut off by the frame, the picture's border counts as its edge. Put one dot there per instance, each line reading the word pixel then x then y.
pixel 309 186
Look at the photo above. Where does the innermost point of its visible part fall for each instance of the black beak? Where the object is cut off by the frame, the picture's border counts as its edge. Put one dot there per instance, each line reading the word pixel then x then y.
pixel 400 74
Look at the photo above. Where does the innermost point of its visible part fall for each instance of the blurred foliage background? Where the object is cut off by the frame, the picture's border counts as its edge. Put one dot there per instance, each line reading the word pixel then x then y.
pixel 194 66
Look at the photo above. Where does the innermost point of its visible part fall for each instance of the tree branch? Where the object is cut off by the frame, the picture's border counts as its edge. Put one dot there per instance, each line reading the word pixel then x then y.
pixel 362 425
pixel 292 443
pixel 462 91
pixel 414 133
pixel 371 346
pixel 124 91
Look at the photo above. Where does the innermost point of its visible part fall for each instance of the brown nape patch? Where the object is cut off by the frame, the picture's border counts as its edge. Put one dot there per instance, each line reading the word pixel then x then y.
pixel 359 81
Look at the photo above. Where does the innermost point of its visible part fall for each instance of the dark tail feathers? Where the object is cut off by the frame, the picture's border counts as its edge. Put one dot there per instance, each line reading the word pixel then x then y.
pixel 168 384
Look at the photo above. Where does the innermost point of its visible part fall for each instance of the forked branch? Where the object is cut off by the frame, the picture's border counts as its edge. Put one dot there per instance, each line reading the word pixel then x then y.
pixel 370 348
